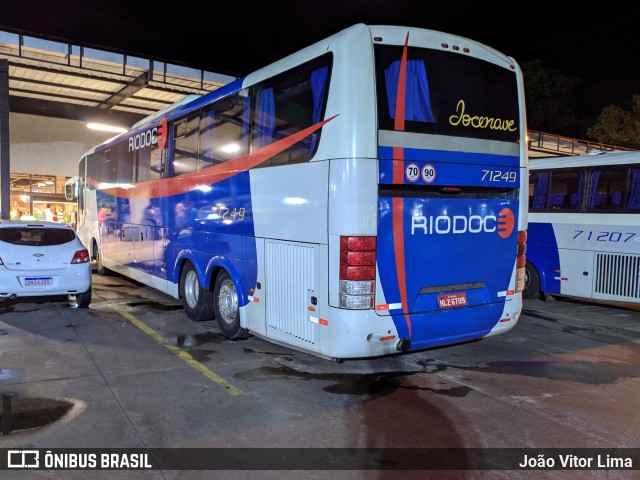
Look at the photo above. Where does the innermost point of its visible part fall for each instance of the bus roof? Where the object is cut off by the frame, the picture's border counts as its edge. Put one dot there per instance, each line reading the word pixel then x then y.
pixel 194 102
pixel 589 160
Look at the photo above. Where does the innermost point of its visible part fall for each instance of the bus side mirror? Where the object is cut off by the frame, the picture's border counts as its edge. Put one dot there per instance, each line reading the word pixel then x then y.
pixel 71 189
pixel 69 192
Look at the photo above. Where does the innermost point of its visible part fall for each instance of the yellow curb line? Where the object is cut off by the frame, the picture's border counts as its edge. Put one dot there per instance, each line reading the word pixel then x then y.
pixel 214 377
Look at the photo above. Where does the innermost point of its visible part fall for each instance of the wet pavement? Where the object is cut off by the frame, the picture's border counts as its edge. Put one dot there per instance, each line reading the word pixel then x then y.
pixel 133 371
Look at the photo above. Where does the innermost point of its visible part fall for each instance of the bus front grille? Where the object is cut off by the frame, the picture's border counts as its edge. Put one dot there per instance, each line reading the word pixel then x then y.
pixel 617 276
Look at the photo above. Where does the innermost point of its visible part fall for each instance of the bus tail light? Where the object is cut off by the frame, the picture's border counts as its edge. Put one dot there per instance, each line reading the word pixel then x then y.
pixel 357 272
pixel 521 260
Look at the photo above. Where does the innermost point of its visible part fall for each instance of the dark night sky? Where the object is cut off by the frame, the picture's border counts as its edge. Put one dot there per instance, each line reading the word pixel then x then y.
pixel 597 41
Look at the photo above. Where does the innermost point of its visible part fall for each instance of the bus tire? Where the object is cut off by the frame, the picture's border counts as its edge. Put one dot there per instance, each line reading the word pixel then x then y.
pixel 83 299
pixel 227 307
pixel 196 300
pixel 100 268
pixel 531 282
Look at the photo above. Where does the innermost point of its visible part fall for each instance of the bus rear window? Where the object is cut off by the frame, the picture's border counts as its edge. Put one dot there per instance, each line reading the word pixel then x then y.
pixel 448 94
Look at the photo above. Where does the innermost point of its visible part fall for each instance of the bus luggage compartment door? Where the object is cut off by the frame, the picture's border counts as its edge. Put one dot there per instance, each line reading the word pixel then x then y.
pixel 291 281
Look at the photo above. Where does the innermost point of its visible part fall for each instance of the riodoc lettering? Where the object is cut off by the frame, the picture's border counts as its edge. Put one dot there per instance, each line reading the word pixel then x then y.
pixel 457 224
pixel 144 139
pixel 477 121
pixel 148 138
pixel 503 224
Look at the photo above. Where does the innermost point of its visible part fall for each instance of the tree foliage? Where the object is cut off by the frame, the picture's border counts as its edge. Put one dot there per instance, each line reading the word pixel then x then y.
pixel 549 97
pixel 617 126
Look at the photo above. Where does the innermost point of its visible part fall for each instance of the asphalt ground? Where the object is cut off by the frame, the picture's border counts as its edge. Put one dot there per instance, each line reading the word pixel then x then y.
pixel 139 374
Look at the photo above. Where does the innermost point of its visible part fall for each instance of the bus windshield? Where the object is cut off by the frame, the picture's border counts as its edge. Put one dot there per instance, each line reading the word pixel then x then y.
pixel 448 93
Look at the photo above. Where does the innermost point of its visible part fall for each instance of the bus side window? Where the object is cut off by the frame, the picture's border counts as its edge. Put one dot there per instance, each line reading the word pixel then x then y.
pixel 566 189
pixel 101 168
pixel 608 188
pixel 289 103
pixel 185 146
pixel 633 203
pixel 538 190
pixel 124 164
pixel 224 131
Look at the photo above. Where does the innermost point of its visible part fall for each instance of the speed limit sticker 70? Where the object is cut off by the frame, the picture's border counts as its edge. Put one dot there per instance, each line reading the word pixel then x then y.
pixel 428 173
pixel 412 172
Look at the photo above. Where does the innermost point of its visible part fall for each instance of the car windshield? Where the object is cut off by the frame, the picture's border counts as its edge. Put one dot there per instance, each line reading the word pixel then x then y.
pixel 37 237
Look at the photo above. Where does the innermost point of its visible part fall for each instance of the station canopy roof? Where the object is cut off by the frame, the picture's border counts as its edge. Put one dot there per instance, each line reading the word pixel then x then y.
pixel 61 79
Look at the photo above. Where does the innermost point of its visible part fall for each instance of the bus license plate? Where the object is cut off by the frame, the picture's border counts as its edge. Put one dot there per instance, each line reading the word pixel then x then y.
pixel 451 300
pixel 38 282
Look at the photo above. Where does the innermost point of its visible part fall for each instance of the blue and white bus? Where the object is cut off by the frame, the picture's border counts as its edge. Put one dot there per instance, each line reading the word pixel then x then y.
pixel 357 198
pixel 584 227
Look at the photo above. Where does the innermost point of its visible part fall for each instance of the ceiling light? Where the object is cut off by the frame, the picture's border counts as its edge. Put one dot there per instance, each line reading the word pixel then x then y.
pixel 105 128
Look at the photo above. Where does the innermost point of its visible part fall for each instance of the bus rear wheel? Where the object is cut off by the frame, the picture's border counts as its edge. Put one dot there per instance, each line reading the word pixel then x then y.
pixel 97 256
pixel 197 301
pixel 531 282
pixel 227 307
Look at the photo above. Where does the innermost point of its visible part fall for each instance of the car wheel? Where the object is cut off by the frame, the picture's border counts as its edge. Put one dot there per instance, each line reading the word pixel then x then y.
pixel 83 299
pixel 531 282
pixel 197 301
pixel 227 307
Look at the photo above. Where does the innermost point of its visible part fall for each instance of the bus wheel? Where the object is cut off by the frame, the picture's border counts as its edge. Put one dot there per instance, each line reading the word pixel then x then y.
pixel 100 268
pixel 227 307
pixel 531 282
pixel 197 301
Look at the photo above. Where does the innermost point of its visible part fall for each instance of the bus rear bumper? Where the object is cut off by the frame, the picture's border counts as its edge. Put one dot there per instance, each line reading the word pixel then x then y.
pixel 363 333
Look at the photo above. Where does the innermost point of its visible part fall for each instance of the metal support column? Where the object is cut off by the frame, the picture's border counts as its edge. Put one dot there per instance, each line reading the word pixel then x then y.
pixel 4 140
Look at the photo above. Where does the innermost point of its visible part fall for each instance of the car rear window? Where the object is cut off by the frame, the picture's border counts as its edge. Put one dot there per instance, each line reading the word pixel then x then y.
pixel 38 237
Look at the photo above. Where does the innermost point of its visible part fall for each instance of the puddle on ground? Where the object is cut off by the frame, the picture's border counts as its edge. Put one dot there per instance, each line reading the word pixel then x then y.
pixel 202 355
pixel 580 372
pixel 535 314
pixel 30 413
pixel 193 340
pixel 155 306
pixel 369 384
pixel 12 309
pixel 251 350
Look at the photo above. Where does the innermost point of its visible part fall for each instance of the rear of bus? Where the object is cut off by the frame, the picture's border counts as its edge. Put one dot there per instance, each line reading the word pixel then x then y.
pixel 446 263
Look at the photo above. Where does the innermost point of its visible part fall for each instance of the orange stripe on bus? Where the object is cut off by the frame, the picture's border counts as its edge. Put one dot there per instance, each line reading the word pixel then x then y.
pixel 216 173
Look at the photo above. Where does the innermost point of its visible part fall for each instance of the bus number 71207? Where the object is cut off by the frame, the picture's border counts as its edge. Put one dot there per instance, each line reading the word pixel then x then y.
pixel 605 236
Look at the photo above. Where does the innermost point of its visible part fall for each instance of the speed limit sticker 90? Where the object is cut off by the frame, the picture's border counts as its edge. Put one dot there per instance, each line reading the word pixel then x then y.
pixel 412 172
pixel 428 173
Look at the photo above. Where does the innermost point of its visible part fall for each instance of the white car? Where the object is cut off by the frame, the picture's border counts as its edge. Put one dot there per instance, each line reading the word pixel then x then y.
pixel 42 259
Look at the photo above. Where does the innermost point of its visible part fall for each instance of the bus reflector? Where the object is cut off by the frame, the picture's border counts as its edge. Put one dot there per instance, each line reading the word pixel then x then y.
pixel 521 260
pixel 357 272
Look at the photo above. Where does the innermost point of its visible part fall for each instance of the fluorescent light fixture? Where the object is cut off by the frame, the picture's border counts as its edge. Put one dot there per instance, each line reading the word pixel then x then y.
pixel 105 128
